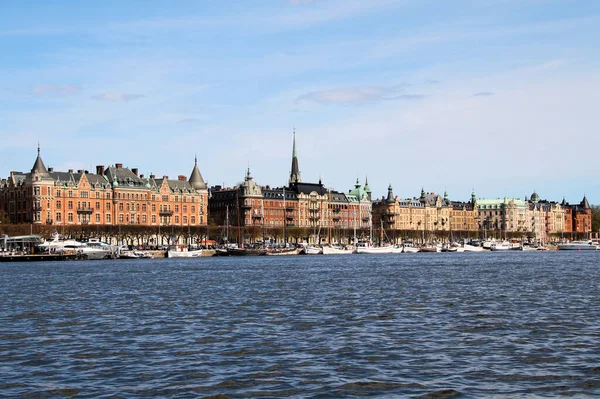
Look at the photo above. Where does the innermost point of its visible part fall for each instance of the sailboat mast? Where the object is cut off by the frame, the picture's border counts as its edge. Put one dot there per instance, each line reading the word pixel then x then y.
pixel 284 218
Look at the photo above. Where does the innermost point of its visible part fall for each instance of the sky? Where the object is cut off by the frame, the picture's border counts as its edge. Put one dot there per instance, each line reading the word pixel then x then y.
pixel 499 96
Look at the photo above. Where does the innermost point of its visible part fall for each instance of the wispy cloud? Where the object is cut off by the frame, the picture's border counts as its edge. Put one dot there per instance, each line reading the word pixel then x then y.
pixel 116 97
pixel 359 95
pixel 298 2
pixel 55 90
pixel 483 94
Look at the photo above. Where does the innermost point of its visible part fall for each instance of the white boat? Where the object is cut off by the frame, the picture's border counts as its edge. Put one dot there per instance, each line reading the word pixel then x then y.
pixel 128 255
pixel 577 246
pixel 388 249
pixel 472 248
pixel 182 251
pixel 338 250
pixel 407 249
pixel 95 249
pixel 397 249
pixel 505 246
pixel 144 254
pixel 60 246
pixel 312 250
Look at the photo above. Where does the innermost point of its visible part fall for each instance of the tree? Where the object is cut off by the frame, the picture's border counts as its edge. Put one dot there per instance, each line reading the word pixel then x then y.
pixel 595 218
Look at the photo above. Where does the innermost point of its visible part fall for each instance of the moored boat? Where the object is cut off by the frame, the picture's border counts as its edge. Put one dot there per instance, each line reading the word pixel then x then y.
pixel 577 246
pixel 246 251
pixel 182 251
pixel 338 250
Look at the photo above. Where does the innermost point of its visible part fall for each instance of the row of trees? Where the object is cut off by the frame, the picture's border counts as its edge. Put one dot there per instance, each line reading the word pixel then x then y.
pixel 154 236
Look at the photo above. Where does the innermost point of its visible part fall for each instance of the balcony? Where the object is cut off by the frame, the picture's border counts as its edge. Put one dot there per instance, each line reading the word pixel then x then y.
pixel 257 215
pixel 289 217
pixel 289 207
pixel 84 211
pixel 165 212
pixel 336 218
pixel 37 208
pixel 245 206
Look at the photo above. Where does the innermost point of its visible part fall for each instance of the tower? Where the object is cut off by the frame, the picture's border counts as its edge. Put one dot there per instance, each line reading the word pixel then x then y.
pixel 295 172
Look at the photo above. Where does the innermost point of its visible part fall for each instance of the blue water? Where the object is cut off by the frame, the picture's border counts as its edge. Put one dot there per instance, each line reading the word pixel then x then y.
pixel 406 325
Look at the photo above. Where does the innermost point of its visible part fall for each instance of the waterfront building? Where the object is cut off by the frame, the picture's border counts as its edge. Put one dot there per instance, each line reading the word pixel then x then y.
pixel 112 196
pixel 578 219
pixel 304 211
pixel 430 214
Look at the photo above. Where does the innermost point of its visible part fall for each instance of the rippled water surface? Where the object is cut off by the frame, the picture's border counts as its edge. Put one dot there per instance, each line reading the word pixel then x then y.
pixel 406 325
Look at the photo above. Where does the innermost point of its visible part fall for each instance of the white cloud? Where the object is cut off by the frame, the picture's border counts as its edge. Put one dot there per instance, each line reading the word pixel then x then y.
pixel 115 97
pixel 55 89
pixel 359 95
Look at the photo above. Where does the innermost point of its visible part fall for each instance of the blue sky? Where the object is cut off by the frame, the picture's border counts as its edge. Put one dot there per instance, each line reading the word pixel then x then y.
pixel 499 95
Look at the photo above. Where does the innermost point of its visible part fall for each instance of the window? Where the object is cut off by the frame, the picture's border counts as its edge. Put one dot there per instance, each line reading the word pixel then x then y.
pixel 58 217
pixel 153 218
pixel 58 193
pixel 120 218
pixel 153 207
pixel 185 220
pixel 58 204
pixel 185 208
pixel 176 219
pixel 84 194
pixel 98 206
pixel 193 219
pixel 176 208
pixel 97 218
pixel 121 206
pixel 70 217
pixel 143 218
pixel 70 205
pixel 144 207
pixel 193 209
pixel 108 218
pixel 108 206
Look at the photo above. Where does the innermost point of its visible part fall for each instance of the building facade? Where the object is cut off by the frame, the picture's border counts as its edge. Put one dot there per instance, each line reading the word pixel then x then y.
pixel 423 217
pixel 112 196
pixel 310 211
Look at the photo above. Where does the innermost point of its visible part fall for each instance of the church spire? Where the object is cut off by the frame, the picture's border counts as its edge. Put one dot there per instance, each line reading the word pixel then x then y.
pixel 295 172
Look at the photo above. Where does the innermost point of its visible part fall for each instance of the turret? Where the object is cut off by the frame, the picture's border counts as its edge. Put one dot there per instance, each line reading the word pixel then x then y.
pixel 196 180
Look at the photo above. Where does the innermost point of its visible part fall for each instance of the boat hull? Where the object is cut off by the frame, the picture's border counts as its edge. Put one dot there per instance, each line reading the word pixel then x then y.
pixel 337 251
pixel 374 250
pixel 246 252
pixel 184 254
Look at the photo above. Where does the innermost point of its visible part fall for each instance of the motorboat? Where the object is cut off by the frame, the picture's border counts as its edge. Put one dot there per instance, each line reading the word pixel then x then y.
pixel 57 246
pixel 577 246
pixel 94 249
pixel 472 248
pixel 506 246
pixel 313 250
pixel 407 249
pixel 182 251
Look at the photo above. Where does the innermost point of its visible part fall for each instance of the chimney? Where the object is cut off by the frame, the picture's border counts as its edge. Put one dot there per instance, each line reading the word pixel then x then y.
pixel 118 165
pixel 153 176
pixel 181 178
pixel 166 177
pixel 142 176
pixel 135 171
pixel 100 170
pixel 80 171
pixel 70 170
pixel 50 169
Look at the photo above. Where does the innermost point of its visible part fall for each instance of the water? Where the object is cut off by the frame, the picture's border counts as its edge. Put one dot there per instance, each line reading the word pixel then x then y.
pixel 406 325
